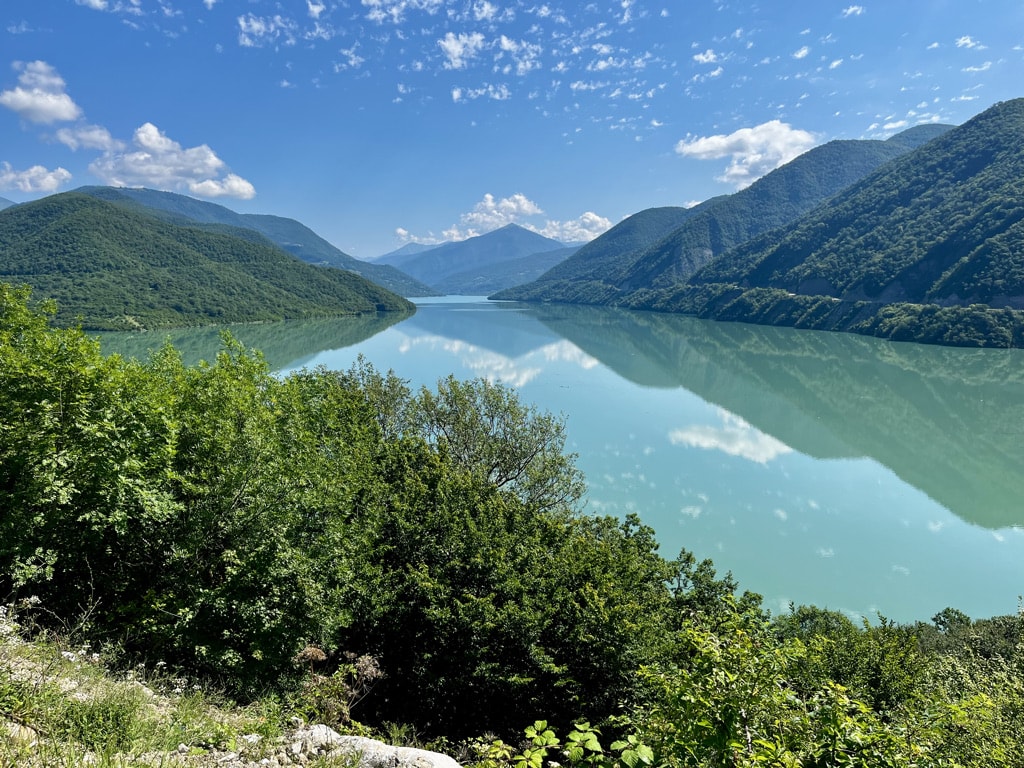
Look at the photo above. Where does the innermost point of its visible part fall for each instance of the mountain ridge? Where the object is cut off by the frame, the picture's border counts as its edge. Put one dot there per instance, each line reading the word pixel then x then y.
pixel 294 236
pixel 690 238
pixel 113 268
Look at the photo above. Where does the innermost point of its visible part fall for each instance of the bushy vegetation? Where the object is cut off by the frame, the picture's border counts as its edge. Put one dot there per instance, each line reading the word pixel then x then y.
pixel 311 534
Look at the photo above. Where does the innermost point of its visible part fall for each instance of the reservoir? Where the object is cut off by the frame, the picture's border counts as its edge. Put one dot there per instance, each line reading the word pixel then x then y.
pixel 851 473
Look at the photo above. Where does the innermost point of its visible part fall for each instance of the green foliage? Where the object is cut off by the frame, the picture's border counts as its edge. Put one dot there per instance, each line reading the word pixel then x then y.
pixel 111 268
pixel 297 239
pixel 230 522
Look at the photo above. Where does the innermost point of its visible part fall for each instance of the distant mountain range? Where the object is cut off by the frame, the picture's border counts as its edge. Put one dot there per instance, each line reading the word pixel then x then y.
pixel 479 265
pixel 5 203
pixel 925 246
pixel 114 266
pixel 296 238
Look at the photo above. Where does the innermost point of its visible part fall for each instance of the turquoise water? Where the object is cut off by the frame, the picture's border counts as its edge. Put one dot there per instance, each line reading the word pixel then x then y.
pixel 861 475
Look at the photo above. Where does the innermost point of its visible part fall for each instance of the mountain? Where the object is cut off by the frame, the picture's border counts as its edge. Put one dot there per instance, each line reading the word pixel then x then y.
pixel 409 249
pixel 296 238
pixel 5 203
pixel 475 261
pixel 111 267
pixel 671 243
pixel 929 248
pixel 481 282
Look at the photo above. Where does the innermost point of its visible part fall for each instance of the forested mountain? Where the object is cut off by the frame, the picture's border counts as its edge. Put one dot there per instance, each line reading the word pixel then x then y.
pixel 296 238
pixel 111 267
pixel 620 262
pixel 929 248
pixel 477 261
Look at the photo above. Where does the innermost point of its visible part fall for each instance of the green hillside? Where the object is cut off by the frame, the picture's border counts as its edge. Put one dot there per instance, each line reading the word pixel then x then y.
pixel 718 225
pixel 112 268
pixel 295 237
pixel 929 248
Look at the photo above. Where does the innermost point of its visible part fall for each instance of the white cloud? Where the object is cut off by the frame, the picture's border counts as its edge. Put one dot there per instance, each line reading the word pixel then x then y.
pixel 458 49
pixel 852 10
pixel 754 151
pixel 35 179
pixel 256 31
pixel 525 56
pixel 88 137
pixel 97 5
pixel 39 96
pixel 708 57
pixel 980 68
pixel 315 8
pixel 209 4
pixel 494 92
pixel 836 64
pixel 158 161
pixel 579 230
pixel 395 10
pixel 802 53
pixel 491 213
pixel 735 437
pixel 231 185
pixel 968 42
pixel 484 11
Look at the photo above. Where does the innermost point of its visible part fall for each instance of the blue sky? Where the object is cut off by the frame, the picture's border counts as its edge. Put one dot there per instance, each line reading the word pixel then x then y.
pixel 379 122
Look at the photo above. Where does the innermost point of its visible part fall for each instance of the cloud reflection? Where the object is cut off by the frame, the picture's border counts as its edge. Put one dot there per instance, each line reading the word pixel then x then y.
pixel 735 437
pixel 496 367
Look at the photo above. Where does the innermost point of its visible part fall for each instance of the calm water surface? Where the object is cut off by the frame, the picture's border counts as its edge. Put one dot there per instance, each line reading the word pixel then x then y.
pixel 861 475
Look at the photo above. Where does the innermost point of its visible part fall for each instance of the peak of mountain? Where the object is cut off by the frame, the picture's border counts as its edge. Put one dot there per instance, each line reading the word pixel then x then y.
pixel 481 260
pixel 621 262
pixel 112 266
pixel 293 236
pixel 5 203
pixel 409 249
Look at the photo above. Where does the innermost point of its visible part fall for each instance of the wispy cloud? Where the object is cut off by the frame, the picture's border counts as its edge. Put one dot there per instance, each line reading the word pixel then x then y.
pixel 852 10
pixel 459 49
pixel 753 151
pixel 801 53
pixel 969 42
pixel 256 31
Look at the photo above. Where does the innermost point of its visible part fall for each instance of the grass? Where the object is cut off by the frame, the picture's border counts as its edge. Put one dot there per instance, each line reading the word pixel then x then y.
pixel 61 706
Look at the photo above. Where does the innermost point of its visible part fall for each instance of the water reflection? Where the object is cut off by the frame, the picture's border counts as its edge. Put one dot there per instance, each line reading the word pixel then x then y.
pixel 292 343
pixel 948 421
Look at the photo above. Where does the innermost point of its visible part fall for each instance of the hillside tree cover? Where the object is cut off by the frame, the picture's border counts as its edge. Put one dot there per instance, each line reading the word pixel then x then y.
pixel 110 267
pixel 226 521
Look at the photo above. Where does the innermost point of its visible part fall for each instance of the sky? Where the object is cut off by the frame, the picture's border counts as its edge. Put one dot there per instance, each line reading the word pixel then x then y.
pixel 383 122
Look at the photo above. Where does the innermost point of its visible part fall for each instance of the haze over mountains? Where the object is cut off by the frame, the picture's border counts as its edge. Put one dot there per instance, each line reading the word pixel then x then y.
pixel 499 259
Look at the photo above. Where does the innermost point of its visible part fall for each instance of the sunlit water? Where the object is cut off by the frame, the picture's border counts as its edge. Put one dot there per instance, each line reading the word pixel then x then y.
pixel 847 472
